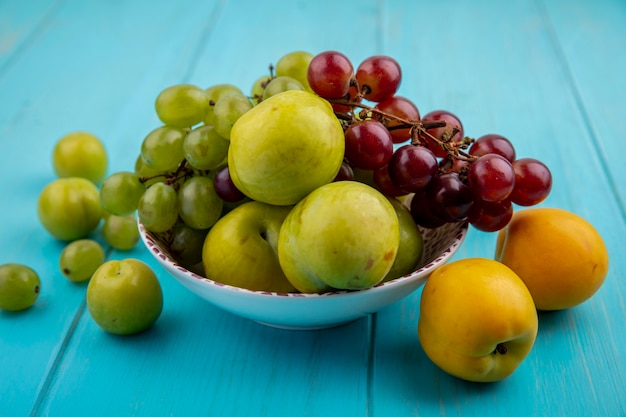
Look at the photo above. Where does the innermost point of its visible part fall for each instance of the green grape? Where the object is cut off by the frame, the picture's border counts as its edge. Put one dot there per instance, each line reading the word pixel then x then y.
pixel 80 259
pixel 198 204
pixel 158 207
pixel 121 232
pixel 228 109
pixel 205 148
pixel 279 85
pixel 295 65
pixel 214 93
pixel 258 87
pixel 120 193
pixel 162 149
pixel 185 244
pixel 148 175
pixel 80 154
pixel 19 287
pixel 182 105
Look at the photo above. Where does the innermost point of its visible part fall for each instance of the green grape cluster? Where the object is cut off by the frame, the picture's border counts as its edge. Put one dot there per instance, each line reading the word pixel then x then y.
pixel 179 188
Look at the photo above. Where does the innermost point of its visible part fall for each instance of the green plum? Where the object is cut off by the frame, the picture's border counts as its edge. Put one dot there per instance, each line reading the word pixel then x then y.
pixel 69 208
pixel 80 154
pixel 240 249
pixel 285 147
pixel 124 297
pixel 343 235
pixel 411 243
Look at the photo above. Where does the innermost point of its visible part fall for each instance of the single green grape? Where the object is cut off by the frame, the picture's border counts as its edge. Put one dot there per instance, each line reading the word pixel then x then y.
pixel 80 154
pixel 120 193
pixel 204 148
pixel 185 244
pixel 19 287
pixel 69 208
pixel 228 109
pixel 258 87
pixel 215 92
pixel 158 207
pixel 198 204
pixel 182 105
pixel 80 259
pixel 295 65
pixel 279 85
pixel 162 148
pixel 121 232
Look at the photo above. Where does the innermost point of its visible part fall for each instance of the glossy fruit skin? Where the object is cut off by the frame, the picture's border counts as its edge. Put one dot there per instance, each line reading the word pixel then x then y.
pixel 344 235
pixel 80 154
pixel 69 208
pixel 558 254
pixel 124 297
pixel 285 147
pixel 477 319
pixel 241 248
pixel 19 287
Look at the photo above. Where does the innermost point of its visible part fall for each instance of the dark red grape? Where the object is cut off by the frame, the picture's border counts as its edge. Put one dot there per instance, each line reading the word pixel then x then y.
pixel 225 188
pixel 400 107
pixel 491 177
pixel 490 217
pixel 329 74
pixel 493 143
pixel 412 167
pixel 368 145
pixel 422 213
pixel 345 173
pixel 379 77
pixel 533 182
pixel 442 133
pixel 449 198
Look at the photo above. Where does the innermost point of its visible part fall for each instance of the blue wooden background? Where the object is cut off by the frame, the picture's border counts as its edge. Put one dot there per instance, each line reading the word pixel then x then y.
pixel 548 74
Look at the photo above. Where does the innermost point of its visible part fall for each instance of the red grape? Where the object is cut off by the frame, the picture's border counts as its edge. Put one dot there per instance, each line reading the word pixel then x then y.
pixel 225 188
pixel 400 107
pixel 491 177
pixel 368 145
pixel 384 183
pixel 345 173
pixel 412 167
pixel 442 133
pixel 493 143
pixel 490 217
pixel 449 198
pixel 422 213
pixel 351 96
pixel 329 74
pixel 533 182
pixel 379 77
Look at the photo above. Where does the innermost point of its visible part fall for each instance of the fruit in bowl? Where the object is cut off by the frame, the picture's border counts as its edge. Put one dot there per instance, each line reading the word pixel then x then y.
pixel 295 310
pixel 327 188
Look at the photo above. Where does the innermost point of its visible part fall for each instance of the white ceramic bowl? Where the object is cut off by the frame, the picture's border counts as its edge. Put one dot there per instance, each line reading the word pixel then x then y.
pixel 313 311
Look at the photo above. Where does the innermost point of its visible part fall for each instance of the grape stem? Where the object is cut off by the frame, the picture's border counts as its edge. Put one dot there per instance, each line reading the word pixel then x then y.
pixel 419 129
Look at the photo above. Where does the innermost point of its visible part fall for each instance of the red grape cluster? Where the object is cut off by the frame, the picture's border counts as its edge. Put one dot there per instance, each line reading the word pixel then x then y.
pixel 451 177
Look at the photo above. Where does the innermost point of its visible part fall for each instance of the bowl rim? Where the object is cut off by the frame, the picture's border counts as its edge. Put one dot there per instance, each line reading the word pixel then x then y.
pixel 153 245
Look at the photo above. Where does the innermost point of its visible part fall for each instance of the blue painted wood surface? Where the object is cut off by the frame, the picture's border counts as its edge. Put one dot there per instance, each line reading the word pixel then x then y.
pixel 548 74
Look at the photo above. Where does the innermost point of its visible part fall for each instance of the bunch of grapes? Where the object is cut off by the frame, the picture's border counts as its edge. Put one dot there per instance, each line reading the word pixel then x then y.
pixel 181 185
pixel 449 176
